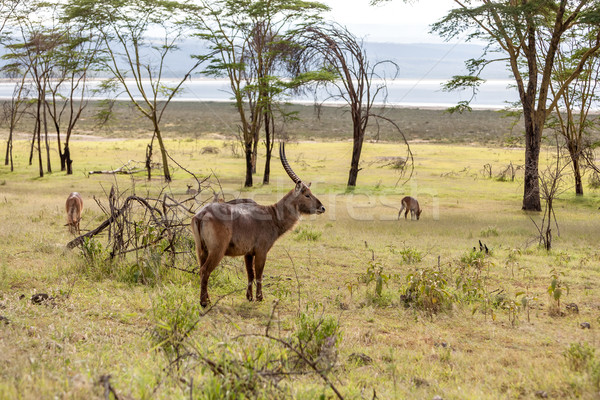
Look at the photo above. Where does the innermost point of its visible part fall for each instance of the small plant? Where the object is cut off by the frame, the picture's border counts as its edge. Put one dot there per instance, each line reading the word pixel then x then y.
pixel 555 290
pixel 307 234
pixel 410 255
pixel 174 319
pixel 489 231
pixel 474 258
pixel 375 274
pixel 318 338
pixel 96 260
pixel 580 357
pixel 426 289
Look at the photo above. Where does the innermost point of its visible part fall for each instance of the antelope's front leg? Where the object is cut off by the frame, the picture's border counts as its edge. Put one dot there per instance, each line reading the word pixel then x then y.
pixel 259 265
pixel 250 271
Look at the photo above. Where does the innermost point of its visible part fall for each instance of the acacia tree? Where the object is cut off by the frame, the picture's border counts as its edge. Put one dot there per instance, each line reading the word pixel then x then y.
pixel 68 87
pixel 247 39
pixel 16 108
pixel 512 29
pixel 134 59
pixel 341 53
pixel 572 117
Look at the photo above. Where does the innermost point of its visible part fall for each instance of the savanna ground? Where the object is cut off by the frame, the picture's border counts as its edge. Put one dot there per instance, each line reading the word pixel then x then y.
pixel 348 271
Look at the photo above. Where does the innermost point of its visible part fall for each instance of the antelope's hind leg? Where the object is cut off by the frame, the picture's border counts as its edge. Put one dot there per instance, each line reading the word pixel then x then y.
pixel 259 265
pixel 249 258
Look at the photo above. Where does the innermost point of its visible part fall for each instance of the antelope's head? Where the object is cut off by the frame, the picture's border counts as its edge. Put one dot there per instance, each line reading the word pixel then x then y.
pixel 419 211
pixel 304 199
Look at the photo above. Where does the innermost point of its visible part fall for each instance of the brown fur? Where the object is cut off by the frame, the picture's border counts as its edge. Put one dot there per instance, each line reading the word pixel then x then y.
pixel 74 207
pixel 410 204
pixel 242 227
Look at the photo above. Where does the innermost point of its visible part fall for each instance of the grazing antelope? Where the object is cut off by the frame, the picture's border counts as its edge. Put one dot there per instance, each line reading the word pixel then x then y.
pixel 242 227
pixel 410 204
pixel 74 208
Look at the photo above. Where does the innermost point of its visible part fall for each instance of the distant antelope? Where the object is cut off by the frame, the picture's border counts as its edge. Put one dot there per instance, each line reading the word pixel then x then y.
pixel 410 204
pixel 244 228
pixel 74 208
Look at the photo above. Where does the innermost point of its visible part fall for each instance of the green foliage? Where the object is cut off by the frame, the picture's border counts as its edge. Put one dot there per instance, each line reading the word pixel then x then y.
pixel 579 356
pixel 410 255
pixel 556 288
pixel 474 258
pixel 317 337
pixel 427 290
pixel 174 318
pixel 375 274
pixel 306 233
pixel 96 263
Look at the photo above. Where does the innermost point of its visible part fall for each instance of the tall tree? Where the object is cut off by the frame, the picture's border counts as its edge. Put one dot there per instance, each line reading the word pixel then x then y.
pixel 512 29
pixel 68 90
pixel 138 37
pixel 247 40
pixel 359 83
pixel 572 117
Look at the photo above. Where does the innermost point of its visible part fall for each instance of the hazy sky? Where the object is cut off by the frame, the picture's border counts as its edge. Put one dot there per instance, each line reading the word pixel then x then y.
pixel 393 21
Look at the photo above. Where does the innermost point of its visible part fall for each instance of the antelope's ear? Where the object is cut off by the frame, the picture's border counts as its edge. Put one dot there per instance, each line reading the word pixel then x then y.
pixel 298 188
pixel 308 184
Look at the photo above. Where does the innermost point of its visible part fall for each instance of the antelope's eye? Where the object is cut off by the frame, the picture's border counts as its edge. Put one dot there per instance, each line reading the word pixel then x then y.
pixel 307 196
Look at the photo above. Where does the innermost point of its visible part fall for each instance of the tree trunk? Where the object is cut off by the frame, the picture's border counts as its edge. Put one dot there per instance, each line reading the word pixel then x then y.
pixel 531 184
pixel 33 142
pixel 163 153
pixel 248 150
pixel 149 158
pixel 48 164
pixel 577 173
pixel 66 156
pixel 39 141
pixel 255 151
pixel 359 136
pixel 9 148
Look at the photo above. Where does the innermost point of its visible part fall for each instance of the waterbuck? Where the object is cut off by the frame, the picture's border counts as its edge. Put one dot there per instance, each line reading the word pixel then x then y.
pixel 410 204
pixel 245 228
pixel 74 206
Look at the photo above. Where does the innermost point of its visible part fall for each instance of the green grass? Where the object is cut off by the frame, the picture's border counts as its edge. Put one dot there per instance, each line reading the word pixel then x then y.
pixel 101 323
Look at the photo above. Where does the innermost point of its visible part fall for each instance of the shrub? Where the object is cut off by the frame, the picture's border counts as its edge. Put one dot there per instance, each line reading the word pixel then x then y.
pixel 96 262
pixel 174 319
pixel 410 255
pixel 580 357
pixel 317 338
pixel 427 290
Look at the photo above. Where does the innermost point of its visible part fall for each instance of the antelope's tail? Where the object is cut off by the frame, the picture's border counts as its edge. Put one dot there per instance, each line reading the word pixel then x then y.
pixel 196 227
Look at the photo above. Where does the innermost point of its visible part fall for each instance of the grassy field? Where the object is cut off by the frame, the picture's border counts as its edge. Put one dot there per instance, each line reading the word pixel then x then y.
pixel 460 333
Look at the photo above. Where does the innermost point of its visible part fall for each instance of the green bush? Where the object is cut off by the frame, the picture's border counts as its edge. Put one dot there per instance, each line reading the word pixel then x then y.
pixel 175 317
pixel 427 290
pixel 317 337
pixel 410 255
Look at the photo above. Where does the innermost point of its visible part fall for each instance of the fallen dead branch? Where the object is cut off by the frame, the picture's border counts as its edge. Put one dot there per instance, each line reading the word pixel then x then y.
pixel 129 168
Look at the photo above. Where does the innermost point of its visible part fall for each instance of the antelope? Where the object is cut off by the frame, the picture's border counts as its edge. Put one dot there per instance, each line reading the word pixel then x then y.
pixel 74 208
pixel 410 204
pixel 243 227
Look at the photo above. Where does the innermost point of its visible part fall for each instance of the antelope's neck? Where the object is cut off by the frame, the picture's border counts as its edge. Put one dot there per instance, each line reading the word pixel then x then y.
pixel 285 213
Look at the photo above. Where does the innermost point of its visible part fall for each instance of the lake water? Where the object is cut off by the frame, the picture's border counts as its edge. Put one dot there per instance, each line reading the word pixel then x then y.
pixel 493 94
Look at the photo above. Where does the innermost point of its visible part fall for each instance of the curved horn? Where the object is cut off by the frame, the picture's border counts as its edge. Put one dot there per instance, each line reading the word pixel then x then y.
pixel 286 165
